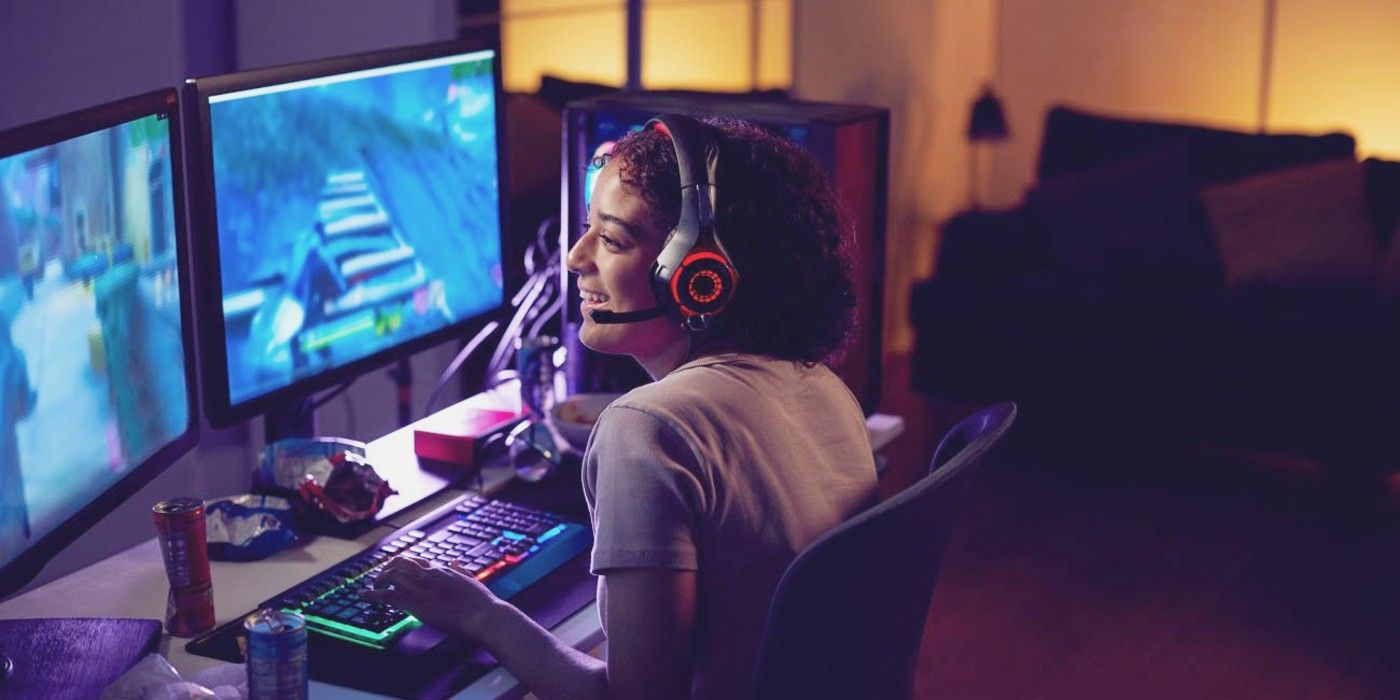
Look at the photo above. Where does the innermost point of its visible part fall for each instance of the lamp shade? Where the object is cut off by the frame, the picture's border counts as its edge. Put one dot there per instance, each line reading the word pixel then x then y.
pixel 987 121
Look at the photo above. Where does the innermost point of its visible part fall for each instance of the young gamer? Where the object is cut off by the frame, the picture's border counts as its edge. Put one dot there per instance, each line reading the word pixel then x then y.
pixel 717 256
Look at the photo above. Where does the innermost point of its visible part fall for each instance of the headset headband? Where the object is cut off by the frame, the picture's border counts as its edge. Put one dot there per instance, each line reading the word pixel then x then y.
pixel 698 194
pixel 692 276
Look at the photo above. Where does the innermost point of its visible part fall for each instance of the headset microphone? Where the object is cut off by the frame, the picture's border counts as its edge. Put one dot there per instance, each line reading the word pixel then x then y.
pixel 601 316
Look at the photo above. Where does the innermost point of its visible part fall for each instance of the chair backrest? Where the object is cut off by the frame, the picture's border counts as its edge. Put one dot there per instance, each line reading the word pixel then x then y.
pixel 848 614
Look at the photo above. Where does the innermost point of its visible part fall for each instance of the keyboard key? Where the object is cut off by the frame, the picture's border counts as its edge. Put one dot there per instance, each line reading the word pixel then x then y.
pixel 483 537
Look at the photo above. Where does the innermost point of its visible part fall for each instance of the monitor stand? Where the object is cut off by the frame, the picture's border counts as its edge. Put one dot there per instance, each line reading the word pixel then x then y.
pixel 295 418
pixel 70 657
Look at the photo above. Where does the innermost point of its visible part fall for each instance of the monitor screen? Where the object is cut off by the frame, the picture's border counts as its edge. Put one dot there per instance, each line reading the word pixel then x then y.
pixel 357 216
pixel 95 379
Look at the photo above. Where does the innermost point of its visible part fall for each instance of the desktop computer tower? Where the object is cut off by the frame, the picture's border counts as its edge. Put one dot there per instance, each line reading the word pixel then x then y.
pixel 851 141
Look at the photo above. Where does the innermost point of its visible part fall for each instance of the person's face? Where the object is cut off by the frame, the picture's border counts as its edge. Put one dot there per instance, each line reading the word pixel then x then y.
pixel 613 261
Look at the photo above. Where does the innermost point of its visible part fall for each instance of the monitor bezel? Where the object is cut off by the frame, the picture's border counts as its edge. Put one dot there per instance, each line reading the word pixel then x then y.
pixel 15 575
pixel 219 407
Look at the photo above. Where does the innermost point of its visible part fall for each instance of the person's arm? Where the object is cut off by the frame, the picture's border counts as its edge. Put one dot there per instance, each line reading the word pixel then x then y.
pixel 649 623
pixel 643 484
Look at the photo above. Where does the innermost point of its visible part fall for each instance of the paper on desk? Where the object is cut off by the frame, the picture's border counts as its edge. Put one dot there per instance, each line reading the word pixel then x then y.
pixel 153 678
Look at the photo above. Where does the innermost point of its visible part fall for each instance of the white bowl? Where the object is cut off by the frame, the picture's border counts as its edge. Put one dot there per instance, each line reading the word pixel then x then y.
pixel 575 416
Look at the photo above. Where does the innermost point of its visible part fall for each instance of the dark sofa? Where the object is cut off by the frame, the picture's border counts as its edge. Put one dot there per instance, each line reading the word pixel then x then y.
pixel 1107 305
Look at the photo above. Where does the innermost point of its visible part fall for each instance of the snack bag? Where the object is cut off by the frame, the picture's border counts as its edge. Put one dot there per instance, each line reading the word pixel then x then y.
pixel 329 476
pixel 248 527
pixel 351 490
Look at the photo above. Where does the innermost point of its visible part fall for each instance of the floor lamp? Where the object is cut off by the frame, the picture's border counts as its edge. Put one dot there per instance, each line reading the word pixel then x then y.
pixel 986 124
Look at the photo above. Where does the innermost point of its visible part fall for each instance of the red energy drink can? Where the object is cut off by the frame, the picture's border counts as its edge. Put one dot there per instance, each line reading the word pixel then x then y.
pixel 189 609
pixel 276 654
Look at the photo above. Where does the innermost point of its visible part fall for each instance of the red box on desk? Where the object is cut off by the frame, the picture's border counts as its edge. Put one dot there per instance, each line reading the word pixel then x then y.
pixel 452 435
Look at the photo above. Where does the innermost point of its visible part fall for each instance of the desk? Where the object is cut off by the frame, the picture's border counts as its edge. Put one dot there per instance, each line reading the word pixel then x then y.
pixel 132 583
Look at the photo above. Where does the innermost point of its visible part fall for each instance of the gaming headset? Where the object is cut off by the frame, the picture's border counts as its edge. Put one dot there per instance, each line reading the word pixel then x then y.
pixel 692 277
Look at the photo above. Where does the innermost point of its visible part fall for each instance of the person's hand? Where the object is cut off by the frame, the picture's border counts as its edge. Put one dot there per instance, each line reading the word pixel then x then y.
pixel 442 596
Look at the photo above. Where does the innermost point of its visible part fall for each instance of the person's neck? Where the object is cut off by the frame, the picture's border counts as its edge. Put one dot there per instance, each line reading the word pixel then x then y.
pixel 684 350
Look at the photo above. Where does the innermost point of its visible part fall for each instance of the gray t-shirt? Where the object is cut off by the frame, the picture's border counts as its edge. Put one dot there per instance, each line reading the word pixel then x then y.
pixel 727 466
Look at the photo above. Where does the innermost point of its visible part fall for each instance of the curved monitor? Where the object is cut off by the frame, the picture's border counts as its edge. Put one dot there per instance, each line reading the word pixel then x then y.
pixel 96 369
pixel 352 215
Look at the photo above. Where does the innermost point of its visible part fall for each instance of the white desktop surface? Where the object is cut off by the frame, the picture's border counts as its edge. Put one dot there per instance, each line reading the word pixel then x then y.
pixel 132 583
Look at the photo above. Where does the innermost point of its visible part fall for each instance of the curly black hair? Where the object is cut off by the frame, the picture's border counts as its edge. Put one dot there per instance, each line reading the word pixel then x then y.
pixel 783 226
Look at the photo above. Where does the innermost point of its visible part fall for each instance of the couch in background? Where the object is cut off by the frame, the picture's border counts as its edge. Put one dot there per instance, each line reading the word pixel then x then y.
pixel 1169 282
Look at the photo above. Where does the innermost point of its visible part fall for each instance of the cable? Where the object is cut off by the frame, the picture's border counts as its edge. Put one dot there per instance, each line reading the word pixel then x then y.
pixel 501 357
pixel 326 398
pixel 535 302
pixel 456 363
pixel 549 313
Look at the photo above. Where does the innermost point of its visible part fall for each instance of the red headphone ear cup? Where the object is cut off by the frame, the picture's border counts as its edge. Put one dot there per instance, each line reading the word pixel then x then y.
pixel 704 283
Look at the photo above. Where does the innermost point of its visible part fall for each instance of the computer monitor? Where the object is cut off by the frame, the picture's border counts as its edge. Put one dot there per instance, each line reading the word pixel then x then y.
pixel 352 215
pixel 850 141
pixel 96 369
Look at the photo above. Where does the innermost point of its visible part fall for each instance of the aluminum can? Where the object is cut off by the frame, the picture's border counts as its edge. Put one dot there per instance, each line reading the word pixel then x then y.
pixel 276 654
pixel 189 608
pixel 534 363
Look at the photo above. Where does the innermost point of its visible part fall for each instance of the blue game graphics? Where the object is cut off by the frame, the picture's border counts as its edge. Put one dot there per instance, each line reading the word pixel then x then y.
pixel 92 369
pixel 355 212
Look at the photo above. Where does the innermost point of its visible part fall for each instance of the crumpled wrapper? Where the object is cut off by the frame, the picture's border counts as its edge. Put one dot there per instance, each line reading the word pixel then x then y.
pixel 330 475
pixel 153 678
pixel 349 491
pixel 248 527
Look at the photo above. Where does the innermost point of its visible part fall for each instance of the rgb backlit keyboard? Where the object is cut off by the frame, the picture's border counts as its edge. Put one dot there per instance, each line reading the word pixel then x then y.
pixel 504 545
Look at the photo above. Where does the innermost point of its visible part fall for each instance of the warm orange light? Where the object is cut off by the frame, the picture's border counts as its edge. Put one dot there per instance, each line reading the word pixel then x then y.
pixel 581 40
pixel 685 44
pixel 708 46
pixel 1337 69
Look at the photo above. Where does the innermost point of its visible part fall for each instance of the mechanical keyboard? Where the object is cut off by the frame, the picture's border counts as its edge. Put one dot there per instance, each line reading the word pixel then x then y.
pixel 506 546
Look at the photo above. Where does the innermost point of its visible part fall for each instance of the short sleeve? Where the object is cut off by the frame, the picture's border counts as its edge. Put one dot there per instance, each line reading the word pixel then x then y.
pixel 642 483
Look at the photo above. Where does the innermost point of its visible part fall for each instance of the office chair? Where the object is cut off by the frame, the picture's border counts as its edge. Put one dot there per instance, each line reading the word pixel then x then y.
pixel 849 612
